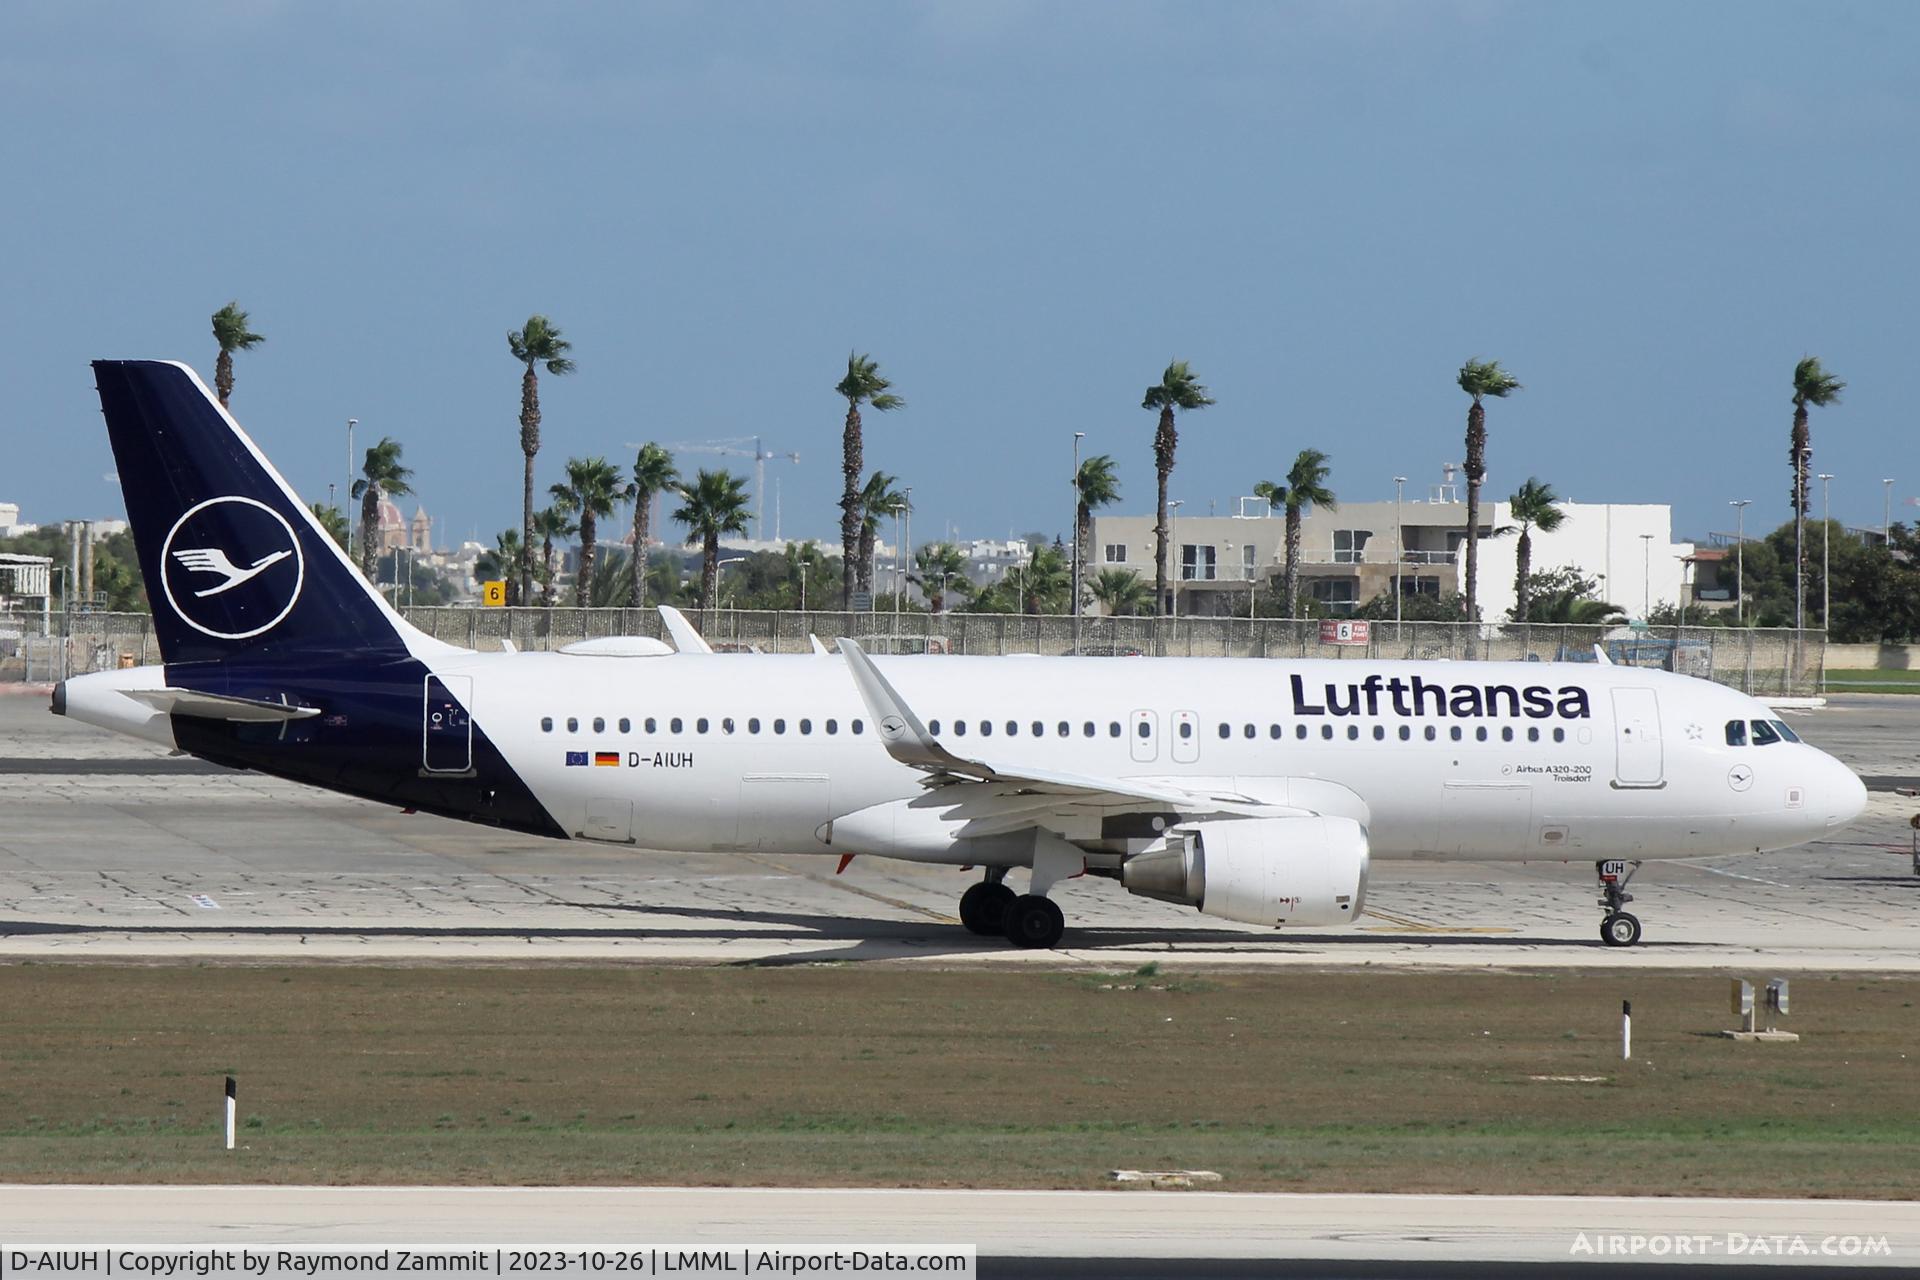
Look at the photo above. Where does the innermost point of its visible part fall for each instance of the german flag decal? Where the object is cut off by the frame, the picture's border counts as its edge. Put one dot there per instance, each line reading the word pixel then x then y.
pixel 606 758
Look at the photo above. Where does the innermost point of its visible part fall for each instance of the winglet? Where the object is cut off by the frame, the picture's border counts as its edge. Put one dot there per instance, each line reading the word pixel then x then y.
pixel 1600 656
pixel 819 650
pixel 906 738
pixel 686 637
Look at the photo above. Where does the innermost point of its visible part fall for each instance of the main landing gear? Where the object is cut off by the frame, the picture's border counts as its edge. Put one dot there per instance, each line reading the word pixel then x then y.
pixel 1030 919
pixel 983 907
pixel 1619 928
pixel 992 910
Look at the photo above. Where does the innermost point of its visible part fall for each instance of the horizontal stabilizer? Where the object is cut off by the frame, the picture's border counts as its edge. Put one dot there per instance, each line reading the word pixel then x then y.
pixel 218 706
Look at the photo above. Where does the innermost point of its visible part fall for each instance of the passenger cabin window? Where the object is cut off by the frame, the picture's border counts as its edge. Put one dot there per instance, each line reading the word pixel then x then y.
pixel 858 728
pixel 726 724
pixel 653 726
pixel 599 724
pixel 806 726
pixel 833 726
pixel 933 727
pixel 1226 731
pixel 674 725
pixel 626 725
pixel 700 725
pixel 753 724
pixel 1086 729
pixel 1736 733
pixel 573 724
pixel 546 724
pixel 1146 730
pixel 1764 734
pixel 779 726
pixel 1113 728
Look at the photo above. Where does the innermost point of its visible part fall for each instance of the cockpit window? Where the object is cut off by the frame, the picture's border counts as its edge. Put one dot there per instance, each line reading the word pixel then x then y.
pixel 1764 734
pixel 1785 732
pixel 1736 733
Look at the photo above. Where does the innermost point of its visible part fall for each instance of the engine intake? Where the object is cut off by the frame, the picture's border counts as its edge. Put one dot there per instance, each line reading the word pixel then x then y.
pixel 1271 871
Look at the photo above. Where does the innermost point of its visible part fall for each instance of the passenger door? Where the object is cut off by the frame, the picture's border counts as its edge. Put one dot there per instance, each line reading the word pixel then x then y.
pixel 1638 757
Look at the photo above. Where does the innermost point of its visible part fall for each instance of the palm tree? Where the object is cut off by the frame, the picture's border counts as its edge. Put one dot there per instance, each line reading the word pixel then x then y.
pixel 653 473
pixel 331 520
pixel 1095 486
pixel 1045 581
pixel 550 523
pixel 1533 506
pixel 592 490
pixel 714 504
pixel 1306 487
pixel 1812 385
pixel 231 332
pixel 938 568
pixel 1479 378
pixel 501 563
pixel 1120 592
pixel 380 476
pixel 878 499
pixel 1177 389
pixel 539 343
pixel 863 384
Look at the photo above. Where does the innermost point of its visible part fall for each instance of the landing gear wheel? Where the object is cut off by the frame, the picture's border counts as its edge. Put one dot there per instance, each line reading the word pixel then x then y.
pixel 1620 929
pixel 983 909
pixel 1034 922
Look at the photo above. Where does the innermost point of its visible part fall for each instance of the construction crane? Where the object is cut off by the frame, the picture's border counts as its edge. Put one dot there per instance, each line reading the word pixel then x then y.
pixel 735 448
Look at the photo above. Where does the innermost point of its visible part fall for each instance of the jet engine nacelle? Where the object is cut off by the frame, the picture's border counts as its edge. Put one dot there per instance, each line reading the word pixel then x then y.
pixel 1272 871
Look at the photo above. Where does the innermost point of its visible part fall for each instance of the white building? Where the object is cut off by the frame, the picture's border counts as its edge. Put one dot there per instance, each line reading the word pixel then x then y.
pixel 10 525
pixel 1352 554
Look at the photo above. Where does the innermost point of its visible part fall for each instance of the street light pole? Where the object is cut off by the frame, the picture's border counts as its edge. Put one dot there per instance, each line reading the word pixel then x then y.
pixel 1646 576
pixel 1740 562
pixel 1079 551
pixel 1399 551
pixel 1886 510
pixel 1826 544
pixel 351 424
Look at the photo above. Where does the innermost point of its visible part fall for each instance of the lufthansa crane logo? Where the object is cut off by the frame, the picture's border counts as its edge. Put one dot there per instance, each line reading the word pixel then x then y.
pixel 231 568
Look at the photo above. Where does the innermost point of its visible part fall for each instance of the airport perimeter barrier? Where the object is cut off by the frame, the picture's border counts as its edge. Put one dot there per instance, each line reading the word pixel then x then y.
pixel 1768 662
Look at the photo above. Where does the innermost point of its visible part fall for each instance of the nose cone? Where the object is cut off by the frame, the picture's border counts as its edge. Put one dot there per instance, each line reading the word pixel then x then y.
pixel 1843 795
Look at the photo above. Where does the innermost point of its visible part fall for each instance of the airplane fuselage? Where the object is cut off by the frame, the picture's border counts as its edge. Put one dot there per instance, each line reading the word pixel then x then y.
pixel 713 753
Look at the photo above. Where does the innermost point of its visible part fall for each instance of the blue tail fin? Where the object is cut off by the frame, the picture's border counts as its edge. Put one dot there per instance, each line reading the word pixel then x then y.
pixel 233 561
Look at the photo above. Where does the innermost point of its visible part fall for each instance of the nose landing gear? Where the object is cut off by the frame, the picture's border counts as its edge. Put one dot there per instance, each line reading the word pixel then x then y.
pixel 1618 928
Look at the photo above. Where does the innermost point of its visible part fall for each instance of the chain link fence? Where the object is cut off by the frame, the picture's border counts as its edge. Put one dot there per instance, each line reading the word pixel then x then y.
pixel 1771 663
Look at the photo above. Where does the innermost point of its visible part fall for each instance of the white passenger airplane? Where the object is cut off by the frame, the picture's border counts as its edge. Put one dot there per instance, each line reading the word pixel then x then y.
pixel 1256 790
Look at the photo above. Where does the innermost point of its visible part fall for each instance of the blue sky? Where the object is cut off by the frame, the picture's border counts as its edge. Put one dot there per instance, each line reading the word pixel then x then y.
pixel 1648 212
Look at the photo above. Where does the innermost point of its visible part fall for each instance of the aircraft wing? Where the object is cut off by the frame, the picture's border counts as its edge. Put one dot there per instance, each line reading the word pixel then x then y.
pixel 218 706
pixel 1046 790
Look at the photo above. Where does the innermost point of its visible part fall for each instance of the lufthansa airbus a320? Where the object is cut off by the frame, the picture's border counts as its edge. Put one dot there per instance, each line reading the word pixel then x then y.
pixel 1256 790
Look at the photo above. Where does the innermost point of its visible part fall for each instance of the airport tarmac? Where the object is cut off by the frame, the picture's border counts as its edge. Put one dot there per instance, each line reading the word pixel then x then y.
pixel 111 849
pixel 1177 1225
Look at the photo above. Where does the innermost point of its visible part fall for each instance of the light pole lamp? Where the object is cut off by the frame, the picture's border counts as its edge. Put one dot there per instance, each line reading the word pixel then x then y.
pixel 1740 560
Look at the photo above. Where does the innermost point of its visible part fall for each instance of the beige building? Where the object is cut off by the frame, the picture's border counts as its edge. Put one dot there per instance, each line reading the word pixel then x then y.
pixel 1350 555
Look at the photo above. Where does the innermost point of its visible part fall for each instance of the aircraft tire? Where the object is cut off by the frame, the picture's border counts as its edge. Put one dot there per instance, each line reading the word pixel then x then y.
pixel 983 909
pixel 1620 929
pixel 1034 922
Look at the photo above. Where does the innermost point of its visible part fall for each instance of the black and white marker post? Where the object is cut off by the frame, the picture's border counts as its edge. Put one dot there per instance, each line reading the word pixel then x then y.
pixel 232 1094
pixel 1626 1048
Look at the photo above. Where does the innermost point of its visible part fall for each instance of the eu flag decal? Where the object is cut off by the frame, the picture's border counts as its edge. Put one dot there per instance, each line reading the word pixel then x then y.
pixel 603 758
pixel 576 758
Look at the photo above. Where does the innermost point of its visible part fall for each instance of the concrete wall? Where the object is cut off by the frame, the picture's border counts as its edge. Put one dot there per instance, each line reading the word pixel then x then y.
pixel 1873 657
